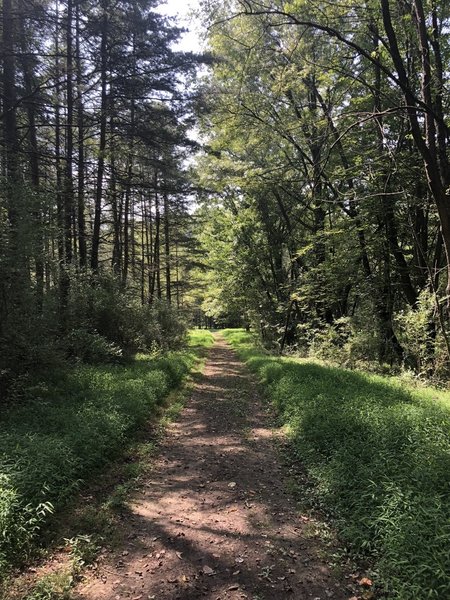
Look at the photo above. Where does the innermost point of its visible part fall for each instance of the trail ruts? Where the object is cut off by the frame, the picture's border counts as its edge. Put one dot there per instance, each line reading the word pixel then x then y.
pixel 214 519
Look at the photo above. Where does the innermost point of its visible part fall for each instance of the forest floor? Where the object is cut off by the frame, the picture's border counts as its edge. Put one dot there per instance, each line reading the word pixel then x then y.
pixel 215 517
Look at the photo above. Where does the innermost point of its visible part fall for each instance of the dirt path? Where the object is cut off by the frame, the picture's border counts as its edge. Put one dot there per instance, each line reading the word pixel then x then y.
pixel 214 520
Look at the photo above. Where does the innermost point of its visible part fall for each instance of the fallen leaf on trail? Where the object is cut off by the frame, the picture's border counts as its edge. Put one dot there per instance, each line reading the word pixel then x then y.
pixel 232 484
pixel 233 587
pixel 179 555
pixel 208 571
pixel 239 559
pixel 365 582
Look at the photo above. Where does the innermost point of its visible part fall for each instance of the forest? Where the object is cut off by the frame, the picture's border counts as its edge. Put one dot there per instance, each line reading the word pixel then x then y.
pixel 94 118
pixel 328 154
pixel 285 182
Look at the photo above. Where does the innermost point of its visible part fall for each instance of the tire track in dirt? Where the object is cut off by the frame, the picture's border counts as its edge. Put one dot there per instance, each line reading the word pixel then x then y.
pixel 214 520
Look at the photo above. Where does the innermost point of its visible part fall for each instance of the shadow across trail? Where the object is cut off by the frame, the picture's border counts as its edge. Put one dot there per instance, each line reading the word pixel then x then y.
pixel 213 520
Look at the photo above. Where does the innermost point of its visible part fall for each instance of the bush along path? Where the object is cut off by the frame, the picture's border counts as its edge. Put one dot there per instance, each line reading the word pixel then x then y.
pixel 377 453
pixel 66 433
pixel 214 518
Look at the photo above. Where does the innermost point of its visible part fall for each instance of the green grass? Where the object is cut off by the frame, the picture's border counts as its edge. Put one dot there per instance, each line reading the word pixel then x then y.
pixel 67 428
pixel 378 453
pixel 201 337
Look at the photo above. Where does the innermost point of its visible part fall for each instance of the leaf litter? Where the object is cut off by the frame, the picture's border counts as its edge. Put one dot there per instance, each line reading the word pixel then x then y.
pixel 251 516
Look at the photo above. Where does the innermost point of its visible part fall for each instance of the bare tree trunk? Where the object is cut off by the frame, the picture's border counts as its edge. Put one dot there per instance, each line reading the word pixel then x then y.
pixel 116 207
pixel 102 142
pixel 156 275
pixel 82 250
pixel 167 247
pixel 129 209
pixel 143 247
pixel 149 242
pixel 68 184
pixel 435 162
pixel 28 75
pixel 60 214
pixel 126 236
pixel 177 275
pixel 10 286
pixel 11 140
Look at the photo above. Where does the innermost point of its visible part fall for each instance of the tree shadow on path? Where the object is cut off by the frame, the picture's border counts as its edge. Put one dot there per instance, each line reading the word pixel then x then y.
pixel 213 519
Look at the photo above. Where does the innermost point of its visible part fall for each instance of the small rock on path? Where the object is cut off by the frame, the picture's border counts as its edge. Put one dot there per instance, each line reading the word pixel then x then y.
pixel 214 520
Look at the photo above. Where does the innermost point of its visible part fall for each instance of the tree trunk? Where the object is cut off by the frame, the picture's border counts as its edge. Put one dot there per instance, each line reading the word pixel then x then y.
pixel 156 275
pixel 167 247
pixel 68 183
pixel 82 250
pixel 102 141
pixel 435 162
pixel 38 242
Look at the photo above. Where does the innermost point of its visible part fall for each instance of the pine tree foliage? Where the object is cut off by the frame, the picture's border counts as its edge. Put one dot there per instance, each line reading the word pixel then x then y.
pixel 96 107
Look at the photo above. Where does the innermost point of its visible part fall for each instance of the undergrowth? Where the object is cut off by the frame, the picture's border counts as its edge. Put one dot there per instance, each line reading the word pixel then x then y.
pixel 66 428
pixel 378 452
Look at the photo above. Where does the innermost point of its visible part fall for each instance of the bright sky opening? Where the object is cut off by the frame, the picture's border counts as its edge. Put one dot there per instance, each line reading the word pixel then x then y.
pixel 184 12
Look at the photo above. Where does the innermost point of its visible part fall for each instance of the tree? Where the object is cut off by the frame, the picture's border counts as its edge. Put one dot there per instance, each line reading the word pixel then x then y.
pixel 92 110
pixel 312 128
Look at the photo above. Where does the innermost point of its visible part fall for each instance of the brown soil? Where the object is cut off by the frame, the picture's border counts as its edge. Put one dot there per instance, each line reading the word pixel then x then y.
pixel 214 520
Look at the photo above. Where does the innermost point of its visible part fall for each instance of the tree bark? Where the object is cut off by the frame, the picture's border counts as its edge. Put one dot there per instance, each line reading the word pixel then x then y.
pixel 435 165
pixel 81 219
pixel 68 183
pixel 102 140
pixel 167 247
pixel 30 104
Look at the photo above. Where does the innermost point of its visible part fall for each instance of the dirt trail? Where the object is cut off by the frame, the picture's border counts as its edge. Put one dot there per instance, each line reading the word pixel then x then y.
pixel 214 519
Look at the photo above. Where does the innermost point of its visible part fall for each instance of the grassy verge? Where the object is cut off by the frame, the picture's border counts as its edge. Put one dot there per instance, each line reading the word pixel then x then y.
pixel 378 452
pixel 67 429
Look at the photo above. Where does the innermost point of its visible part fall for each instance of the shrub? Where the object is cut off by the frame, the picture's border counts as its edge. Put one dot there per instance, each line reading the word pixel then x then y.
pixel 90 347
pixel 67 427
pixel 422 338
pixel 19 522
pixel 103 323
pixel 106 319
pixel 379 455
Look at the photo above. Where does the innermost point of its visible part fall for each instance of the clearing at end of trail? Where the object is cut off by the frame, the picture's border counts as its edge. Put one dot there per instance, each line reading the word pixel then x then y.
pixel 214 519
